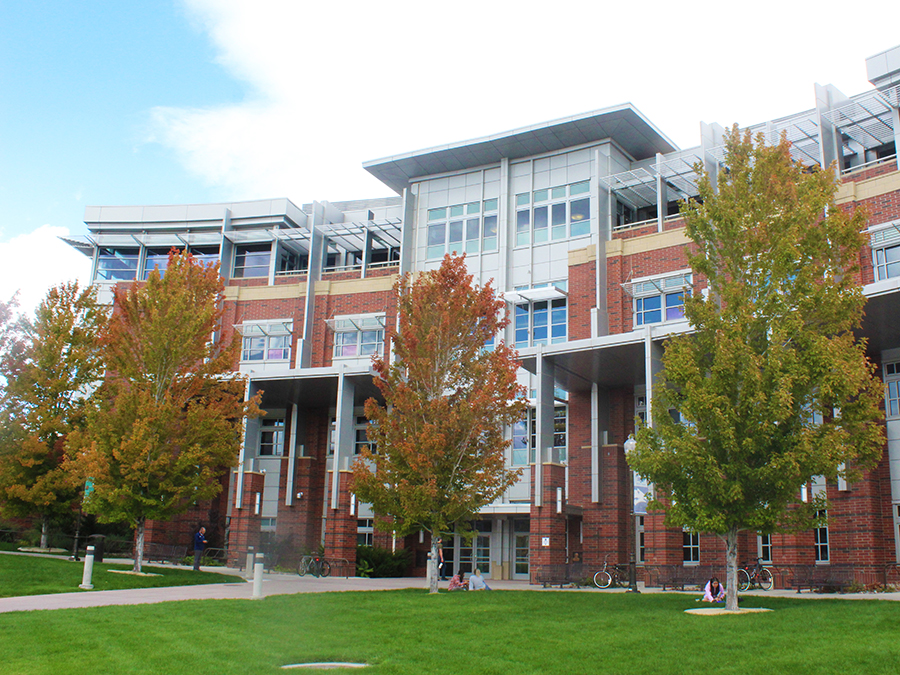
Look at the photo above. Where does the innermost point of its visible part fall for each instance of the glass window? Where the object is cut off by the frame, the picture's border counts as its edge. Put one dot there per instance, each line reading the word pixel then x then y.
pixel 459 232
pixel 252 261
pixel 579 188
pixel 365 532
pixel 647 310
pixel 674 306
pixel 820 540
pixel 579 217
pixel 362 438
pixel 887 262
pixel 524 435
pixel 207 255
pixel 522 199
pixel 117 264
pixel 271 436
pixel 541 322
pixel 764 547
pixel 437 233
pixel 365 343
pixel 266 347
pixel 155 258
pixel 541 220
pixel 892 389
pixel 691 547
pixel 523 228
pixel 455 236
pixel 490 233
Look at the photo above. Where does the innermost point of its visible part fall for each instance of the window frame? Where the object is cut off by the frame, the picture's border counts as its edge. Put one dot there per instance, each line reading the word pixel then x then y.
pixel 541 206
pixel 463 226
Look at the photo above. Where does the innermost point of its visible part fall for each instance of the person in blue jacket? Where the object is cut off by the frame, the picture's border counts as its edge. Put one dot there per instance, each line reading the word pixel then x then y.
pixel 199 545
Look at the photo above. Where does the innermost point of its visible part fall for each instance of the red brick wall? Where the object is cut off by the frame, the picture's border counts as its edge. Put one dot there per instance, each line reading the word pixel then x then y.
pixel 245 522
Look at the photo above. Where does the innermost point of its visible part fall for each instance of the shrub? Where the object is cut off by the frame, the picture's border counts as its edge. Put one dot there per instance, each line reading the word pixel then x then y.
pixel 377 562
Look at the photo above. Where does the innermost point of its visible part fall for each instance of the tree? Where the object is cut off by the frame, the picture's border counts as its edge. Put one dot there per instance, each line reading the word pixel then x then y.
pixel 51 368
pixel 772 387
pixel 169 414
pixel 440 434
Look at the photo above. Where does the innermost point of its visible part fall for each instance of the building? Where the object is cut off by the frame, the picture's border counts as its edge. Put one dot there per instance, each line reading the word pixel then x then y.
pixel 576 221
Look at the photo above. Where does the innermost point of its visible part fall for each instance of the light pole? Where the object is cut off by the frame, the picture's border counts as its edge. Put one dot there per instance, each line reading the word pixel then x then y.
pixel 630 445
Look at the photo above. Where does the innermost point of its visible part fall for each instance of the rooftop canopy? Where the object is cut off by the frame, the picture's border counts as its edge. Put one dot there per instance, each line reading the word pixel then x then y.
pixel 623 124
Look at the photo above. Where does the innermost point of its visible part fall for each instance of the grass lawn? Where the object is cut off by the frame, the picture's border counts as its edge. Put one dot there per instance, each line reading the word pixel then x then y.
pixel 31 575
pixel 518 632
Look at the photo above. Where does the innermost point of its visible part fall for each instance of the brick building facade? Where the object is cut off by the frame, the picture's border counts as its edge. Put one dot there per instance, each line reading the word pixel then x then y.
pixel 576 222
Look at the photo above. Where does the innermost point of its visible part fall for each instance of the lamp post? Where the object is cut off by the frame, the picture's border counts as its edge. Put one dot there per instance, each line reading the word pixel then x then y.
pixel 630 445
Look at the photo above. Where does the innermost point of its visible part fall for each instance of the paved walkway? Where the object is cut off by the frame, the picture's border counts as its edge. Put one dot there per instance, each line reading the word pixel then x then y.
pixel 288 584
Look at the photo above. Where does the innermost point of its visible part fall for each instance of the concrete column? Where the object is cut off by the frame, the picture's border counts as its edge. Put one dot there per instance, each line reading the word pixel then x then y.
pixel 316 260
pixel 345 432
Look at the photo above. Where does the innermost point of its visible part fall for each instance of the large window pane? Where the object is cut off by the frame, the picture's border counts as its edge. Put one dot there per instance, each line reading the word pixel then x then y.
pixel 117 264
pixel 579 217
pixel 252 261
pixel 523 228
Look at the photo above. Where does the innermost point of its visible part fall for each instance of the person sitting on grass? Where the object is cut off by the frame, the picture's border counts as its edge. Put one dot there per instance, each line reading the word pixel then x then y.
pixel 458 582
pixel 714 591
pixel 476 582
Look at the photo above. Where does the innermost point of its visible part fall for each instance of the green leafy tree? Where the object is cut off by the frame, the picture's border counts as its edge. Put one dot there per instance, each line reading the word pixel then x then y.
pixel 51 368
pixel 772 386
pixel 168 417
pixel 440 433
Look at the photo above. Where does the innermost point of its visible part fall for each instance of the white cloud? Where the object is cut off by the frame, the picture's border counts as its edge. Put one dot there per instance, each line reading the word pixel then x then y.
pixel 37 261
pixel 334 84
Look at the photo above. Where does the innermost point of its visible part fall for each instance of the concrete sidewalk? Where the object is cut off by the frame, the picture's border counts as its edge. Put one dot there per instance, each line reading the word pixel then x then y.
pixel 288 584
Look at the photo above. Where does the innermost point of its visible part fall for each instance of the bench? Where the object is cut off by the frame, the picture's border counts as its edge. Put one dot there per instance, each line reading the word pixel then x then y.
pixel 164 553
pixel 562 574
pixel 827 578
pixel 680 576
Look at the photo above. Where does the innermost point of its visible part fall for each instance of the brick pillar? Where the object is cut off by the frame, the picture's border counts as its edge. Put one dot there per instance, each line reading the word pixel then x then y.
pixel 546 523
pixel 245 521
pixel 606 525
pixel 300 522
pixel 340 528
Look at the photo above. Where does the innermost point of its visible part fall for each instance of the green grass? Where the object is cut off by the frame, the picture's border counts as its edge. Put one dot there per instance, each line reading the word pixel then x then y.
pixel 398 632
pixel 31 575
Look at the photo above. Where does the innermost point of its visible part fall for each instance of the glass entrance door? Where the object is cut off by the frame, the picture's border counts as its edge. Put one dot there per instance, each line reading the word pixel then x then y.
pixel 521 547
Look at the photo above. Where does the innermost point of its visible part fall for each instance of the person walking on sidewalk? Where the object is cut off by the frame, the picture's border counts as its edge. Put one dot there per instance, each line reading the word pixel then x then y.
pixel 199 546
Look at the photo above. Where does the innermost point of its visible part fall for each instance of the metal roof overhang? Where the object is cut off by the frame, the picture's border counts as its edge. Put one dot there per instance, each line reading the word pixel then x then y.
pixel 624 124
pixel 610 361
pixel 313 387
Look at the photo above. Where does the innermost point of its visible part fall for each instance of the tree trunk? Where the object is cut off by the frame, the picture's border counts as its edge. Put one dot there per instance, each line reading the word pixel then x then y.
pixel 138 545
pixel 45 532
pixel 731 580
pixel 433 573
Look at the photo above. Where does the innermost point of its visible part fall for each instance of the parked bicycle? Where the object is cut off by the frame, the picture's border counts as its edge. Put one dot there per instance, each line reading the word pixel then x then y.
pixel 315 565
pixel 610 574
pixel 757 575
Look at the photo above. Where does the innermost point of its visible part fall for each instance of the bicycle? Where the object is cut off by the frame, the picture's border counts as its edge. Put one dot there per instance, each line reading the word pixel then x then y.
pixel 754 574
pixel 606 576
pixel 315 565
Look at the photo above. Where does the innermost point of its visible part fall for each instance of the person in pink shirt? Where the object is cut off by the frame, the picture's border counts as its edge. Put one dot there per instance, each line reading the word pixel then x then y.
pixel 714 591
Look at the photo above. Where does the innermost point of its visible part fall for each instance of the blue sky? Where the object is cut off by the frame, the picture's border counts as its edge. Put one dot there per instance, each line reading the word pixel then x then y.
pixel 178 101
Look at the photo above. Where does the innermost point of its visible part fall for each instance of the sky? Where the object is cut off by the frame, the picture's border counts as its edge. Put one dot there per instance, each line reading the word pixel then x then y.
pixel 104 102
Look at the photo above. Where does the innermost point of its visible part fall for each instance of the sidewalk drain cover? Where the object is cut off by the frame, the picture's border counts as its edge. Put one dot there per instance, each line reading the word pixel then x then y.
pixel 326 665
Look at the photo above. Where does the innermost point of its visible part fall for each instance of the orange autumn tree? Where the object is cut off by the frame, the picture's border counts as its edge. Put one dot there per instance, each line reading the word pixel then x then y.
pixel 169 415
pixel 51 367
pixel 447 398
